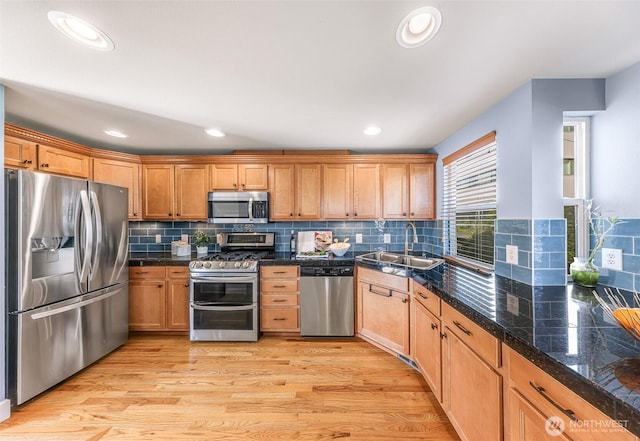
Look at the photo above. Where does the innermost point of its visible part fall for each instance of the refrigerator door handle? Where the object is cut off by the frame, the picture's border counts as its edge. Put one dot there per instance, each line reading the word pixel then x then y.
pixel 56 311
pixel 97 217
pixel 88 232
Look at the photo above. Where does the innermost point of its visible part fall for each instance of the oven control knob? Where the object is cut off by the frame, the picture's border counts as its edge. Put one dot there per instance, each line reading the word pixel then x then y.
pixel 222 264
pixel 197 264
pixel 207 265
pixel 237 264
pixel 245 264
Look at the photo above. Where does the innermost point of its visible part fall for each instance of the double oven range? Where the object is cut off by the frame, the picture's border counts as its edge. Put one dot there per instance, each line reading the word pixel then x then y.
pixel 223 288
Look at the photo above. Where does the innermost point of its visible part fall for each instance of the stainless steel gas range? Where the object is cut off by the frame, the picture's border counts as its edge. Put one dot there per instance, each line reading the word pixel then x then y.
pixel 224 288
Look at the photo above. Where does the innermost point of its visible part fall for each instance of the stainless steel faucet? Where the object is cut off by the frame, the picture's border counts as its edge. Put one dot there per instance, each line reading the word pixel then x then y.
pixel 407 250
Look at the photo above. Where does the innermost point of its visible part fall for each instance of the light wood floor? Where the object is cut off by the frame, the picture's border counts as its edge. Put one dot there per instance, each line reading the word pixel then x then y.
pixel 163 387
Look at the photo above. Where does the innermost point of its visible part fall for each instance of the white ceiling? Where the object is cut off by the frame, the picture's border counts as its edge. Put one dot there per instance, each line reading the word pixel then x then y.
pixel 293 74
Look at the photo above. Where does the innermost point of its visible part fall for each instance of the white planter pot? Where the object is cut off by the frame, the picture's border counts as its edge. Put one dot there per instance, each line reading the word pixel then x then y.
pixel 202 250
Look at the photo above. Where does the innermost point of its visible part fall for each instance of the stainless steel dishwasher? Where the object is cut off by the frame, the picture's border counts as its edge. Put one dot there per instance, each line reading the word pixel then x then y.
pixel 326 301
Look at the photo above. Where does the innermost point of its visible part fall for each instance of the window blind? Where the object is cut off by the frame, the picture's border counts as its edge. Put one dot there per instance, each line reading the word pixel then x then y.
pixel 469 200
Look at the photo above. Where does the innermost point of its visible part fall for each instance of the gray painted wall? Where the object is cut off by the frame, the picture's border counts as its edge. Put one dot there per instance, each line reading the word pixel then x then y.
pixel 615 148
pixel 528 123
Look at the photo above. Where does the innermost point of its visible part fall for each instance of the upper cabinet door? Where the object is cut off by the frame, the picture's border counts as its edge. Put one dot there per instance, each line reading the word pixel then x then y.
pixel 158 192
pixel 224 177
pixel 308 188
pixel 281 191
pixel 19 153
pixel 394 191
pixel 253 177
pixel 422 191
pixel 124 174
pixel 62 162
pixel 337 191
pixel 366 191
pixel 191 191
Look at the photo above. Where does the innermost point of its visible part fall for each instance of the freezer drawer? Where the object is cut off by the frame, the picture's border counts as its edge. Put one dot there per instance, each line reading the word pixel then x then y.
pixel 48 344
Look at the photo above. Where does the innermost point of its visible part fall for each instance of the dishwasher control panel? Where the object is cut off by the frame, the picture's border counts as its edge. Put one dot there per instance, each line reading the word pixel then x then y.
pixel 326 271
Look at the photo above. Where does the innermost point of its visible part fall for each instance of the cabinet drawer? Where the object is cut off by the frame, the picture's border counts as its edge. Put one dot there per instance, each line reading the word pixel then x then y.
pixel 177 271
pixel 279 285
pixel 541 389
pixel 483 343
pixel 279 272
pixel 267 300
pixel 146 272
pixel 426 298
pixel 379 278
pixel 279 319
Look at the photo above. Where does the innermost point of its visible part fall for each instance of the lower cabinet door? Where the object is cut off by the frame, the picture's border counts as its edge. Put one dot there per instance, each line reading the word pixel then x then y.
pixel 526 423
pixel 472 392
pixel 427 349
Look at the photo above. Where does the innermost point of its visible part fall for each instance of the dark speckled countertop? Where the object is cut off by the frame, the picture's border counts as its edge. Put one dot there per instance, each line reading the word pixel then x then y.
pixel 561 329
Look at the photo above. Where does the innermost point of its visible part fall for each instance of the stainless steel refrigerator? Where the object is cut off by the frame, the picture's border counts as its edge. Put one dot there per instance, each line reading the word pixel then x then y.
pixel 66 275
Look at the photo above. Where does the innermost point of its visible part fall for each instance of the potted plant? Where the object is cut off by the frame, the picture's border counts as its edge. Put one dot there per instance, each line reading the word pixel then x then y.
pixel 202 241
pixel 583 271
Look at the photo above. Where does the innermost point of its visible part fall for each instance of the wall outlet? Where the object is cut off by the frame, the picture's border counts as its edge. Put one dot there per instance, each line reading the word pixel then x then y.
pixel 512 254
pixel 158 238
pixel 513 305
pixel 184 238
pixel 612 258
pixel 358 237
pixel 387 238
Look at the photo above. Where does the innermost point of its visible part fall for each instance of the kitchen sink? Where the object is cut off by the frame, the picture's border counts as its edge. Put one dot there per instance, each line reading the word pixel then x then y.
pixel 423 263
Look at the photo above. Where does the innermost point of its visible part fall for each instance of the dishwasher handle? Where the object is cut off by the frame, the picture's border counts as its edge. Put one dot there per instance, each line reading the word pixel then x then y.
pixel 326 271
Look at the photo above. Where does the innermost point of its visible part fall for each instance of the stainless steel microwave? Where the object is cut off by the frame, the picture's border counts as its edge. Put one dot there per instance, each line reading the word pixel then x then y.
pixel 238 207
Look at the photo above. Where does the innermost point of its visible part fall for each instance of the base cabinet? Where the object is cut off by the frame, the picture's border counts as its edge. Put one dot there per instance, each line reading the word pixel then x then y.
pixel 382 315
pixel 427 350
pixel 158 298
pixel 279 299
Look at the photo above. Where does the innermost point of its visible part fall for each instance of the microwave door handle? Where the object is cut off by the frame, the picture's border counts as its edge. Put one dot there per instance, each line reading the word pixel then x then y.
pixel 250 209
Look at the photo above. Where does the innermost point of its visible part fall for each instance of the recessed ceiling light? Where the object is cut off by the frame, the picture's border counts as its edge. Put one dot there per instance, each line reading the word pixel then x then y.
pixel 372 131
pixel 80 31
pixel 215 132
pixel 116 133
pixel 419 27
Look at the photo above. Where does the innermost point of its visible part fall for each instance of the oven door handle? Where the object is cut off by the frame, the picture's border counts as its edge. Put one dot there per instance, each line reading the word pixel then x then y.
pixel 222 308
pixel 234 279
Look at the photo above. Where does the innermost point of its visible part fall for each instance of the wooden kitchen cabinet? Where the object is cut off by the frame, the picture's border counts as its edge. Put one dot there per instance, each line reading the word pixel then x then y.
pixel 408 191
pixel 295 191
pixel 62 162
pixel 351 191
pixel 147 298
pixel 382 311
pixel 470 376
pixel 159 298
pixel 175 192
pixel 19 153
pixel 279 299
pixel 534 396
pixel 426 328
pixel 242 177
pixel 177 298
pixel 124 174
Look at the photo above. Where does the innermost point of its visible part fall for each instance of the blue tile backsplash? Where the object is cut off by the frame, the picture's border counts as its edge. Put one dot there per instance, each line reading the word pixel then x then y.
pixel 541 244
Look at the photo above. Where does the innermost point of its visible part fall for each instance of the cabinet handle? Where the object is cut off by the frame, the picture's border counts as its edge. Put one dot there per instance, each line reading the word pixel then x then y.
pixel 177 214
pixel 568 412
pixel 27 161
pixel 347 214
pixel 160 285
pixel 279 286
pixel 423 296
pixel 279 272
pixel 299 215
pixel 404 300
pixel 383 294
pixel 413 214
pixel 186 285
pixel 242 185
pixel 404 214
pixel 235 185
pixel 170 214
pixel 291 214
pixel 142 272
pixel 279 319
pixel 443 335
pixel 135 214
pixel 462 328
pixel 279 300
pixel 434 326
pixel 44 165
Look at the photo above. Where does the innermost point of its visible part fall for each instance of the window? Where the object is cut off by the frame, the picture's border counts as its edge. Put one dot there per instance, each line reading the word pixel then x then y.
pixel 469 201
pixel 575 152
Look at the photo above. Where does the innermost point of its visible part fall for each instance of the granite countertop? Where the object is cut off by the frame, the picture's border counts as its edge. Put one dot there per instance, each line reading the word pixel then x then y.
pixel 561 329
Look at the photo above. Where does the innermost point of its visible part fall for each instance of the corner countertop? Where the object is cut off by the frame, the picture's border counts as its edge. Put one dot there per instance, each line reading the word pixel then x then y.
pixel 167 259
pixel 561 329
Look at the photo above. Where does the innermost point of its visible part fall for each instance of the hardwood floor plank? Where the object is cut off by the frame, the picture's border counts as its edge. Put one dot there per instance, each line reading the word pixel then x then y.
pixel 164 387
